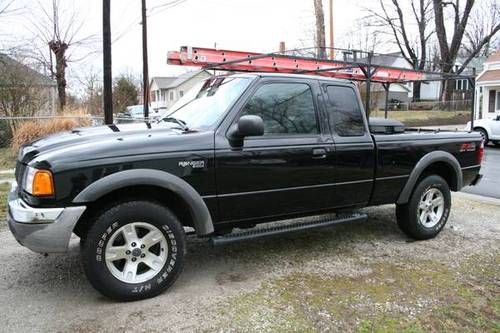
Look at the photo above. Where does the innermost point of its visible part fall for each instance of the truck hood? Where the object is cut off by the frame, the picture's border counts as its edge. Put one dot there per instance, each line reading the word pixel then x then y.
pixel 91 143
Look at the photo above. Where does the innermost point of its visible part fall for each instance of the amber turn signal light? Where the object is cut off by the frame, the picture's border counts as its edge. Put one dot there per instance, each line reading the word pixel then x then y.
pixel 43 184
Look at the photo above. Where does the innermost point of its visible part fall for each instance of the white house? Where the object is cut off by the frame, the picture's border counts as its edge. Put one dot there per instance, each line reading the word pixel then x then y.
pixel 165 91
pixel 488 89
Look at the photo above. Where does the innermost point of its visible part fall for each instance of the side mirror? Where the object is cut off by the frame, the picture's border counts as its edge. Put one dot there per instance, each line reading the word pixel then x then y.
pixel 248 125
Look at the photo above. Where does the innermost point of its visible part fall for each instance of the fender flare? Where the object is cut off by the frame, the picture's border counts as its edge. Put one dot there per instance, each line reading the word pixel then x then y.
pixel 198 209
pixel 427 160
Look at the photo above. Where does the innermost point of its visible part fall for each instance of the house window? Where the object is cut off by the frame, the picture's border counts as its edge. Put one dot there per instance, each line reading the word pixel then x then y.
pixel 181 93
pixel 171 95
pixel 461 85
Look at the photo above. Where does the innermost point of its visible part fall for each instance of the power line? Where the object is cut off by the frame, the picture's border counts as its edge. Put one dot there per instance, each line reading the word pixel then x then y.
pixel 163 7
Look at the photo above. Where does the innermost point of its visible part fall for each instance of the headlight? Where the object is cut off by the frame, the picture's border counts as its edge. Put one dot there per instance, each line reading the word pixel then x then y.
pixel 38 183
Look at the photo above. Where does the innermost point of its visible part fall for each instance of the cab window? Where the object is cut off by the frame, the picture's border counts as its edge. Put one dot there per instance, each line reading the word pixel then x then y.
pixel 285 108
pixel 344 112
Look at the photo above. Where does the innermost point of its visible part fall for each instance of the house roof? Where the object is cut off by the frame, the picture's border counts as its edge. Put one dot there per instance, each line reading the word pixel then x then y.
pixel 174 82
pixel 489 75
pixel 388 59
pixel 163 82
pixel 36 78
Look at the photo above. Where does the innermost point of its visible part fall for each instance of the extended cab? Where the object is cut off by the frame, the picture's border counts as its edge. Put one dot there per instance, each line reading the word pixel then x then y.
pixel 234 152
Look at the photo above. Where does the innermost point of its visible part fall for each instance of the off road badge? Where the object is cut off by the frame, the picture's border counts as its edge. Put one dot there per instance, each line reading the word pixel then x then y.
pixel 200 164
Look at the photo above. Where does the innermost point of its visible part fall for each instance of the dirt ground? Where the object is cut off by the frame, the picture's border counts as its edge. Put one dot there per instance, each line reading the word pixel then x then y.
pixel 364 277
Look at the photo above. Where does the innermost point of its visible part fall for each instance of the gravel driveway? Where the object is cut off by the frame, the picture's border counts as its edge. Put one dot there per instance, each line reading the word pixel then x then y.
pixel 357 277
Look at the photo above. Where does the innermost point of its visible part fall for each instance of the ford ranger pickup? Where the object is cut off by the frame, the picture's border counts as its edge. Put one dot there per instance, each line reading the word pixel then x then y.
pixel 234 152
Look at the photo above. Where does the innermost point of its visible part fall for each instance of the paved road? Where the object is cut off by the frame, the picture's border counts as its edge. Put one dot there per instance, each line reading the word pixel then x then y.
pixel 490 184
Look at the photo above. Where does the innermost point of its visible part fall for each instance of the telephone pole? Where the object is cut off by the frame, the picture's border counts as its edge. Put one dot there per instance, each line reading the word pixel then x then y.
pixel 106 52
pixel 332 51
pixel 145 75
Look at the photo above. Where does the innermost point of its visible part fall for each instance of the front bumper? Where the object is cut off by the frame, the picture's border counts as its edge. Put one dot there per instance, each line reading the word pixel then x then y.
pixel 43 230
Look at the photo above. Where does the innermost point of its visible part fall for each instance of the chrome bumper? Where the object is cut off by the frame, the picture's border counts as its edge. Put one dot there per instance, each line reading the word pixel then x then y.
pixel 43 230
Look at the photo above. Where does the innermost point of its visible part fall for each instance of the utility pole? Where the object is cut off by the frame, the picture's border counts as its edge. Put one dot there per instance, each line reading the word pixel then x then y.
pixel 145 75
pixel 332 51
pixel 106 52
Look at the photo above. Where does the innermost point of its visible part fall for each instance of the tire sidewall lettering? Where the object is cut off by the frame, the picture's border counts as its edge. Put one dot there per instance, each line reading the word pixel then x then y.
pixel 158 279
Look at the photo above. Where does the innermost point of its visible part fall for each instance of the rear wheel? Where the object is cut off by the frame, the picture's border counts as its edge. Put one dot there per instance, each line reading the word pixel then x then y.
pixel 428 209
pixel 134 250
pixel 484 134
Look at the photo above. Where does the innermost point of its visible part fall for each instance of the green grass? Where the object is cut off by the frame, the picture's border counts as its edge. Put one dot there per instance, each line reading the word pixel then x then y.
pixel 4 190
pixel 411 297
pixel 426 118
pixel 7 159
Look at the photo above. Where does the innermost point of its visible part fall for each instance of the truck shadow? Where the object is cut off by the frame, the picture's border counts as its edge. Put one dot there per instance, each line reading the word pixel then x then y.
pixel 62 276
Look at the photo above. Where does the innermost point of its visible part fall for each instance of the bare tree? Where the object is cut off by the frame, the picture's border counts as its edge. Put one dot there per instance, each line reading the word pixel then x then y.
pixel 482 22
pixel 6 7
pixel 361 36
pixel 449 47
pixel 394 20
pixel 22 94
pixel 60 29
pixel 320 43
pixel 92 95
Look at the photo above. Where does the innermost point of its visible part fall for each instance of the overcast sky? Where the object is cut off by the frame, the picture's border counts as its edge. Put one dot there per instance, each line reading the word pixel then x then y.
pixel 253 25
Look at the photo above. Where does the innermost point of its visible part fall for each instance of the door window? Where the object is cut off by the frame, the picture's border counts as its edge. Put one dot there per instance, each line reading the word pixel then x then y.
pixel 285 108
pixel 344 113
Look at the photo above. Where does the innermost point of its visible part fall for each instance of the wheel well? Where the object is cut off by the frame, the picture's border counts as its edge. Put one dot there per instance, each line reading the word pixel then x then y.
pixel 139 192
pixel 444 170
pixel 477 128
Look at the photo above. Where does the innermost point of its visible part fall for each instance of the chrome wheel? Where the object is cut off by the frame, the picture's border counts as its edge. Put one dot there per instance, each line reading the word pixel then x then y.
pixel 431 207
pixel 136 252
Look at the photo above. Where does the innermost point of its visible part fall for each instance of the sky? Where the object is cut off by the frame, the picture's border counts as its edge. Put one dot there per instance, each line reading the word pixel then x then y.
pixel 256 25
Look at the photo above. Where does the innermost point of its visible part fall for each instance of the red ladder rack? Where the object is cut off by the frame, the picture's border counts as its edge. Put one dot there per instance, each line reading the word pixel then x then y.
pixel 280 63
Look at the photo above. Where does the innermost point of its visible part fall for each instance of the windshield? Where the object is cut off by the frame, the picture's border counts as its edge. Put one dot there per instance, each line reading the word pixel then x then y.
pixel 204 105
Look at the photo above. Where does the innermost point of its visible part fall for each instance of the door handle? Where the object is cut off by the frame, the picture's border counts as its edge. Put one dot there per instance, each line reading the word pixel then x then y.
pixel 319 153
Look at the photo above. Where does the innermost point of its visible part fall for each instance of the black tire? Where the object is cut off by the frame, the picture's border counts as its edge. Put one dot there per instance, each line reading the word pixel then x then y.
pixel 484 134
pixel 408 214
pixel 102 231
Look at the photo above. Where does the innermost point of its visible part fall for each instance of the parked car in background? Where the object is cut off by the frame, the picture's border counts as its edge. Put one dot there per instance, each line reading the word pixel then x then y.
pixel 136 112
pixel 489 129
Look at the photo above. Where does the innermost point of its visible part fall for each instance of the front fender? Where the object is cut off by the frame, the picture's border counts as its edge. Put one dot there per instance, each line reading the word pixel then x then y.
pixel 426 161
pixel 198 209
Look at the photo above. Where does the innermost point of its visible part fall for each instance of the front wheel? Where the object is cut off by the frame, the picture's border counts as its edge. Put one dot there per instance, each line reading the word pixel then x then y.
pixel 134 250
pixel 428 209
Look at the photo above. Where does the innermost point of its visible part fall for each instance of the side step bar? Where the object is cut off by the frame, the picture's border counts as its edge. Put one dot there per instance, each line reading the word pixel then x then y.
pixel 285 229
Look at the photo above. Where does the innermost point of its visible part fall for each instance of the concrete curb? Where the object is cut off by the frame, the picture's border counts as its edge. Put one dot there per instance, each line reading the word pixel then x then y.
pixel 478 198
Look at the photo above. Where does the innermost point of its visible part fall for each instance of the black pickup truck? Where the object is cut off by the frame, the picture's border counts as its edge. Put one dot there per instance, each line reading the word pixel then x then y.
pixel 234 152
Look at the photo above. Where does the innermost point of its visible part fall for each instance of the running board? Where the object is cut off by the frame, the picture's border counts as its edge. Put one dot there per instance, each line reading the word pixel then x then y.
pixel 285 229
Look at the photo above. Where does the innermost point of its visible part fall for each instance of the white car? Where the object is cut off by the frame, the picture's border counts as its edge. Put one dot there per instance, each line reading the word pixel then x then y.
pixel 489 129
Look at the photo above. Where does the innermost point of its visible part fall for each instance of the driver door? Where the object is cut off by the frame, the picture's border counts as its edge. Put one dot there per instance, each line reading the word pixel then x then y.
pixel 287 170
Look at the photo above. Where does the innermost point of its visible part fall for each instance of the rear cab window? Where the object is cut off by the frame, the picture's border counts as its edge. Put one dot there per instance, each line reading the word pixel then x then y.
pixel 344 112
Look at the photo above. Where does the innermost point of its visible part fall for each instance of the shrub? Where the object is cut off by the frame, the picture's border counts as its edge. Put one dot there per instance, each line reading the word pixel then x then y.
pixel 34 130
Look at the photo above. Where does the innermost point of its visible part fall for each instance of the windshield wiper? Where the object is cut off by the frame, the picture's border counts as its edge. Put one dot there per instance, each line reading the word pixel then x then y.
pixel 181 123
